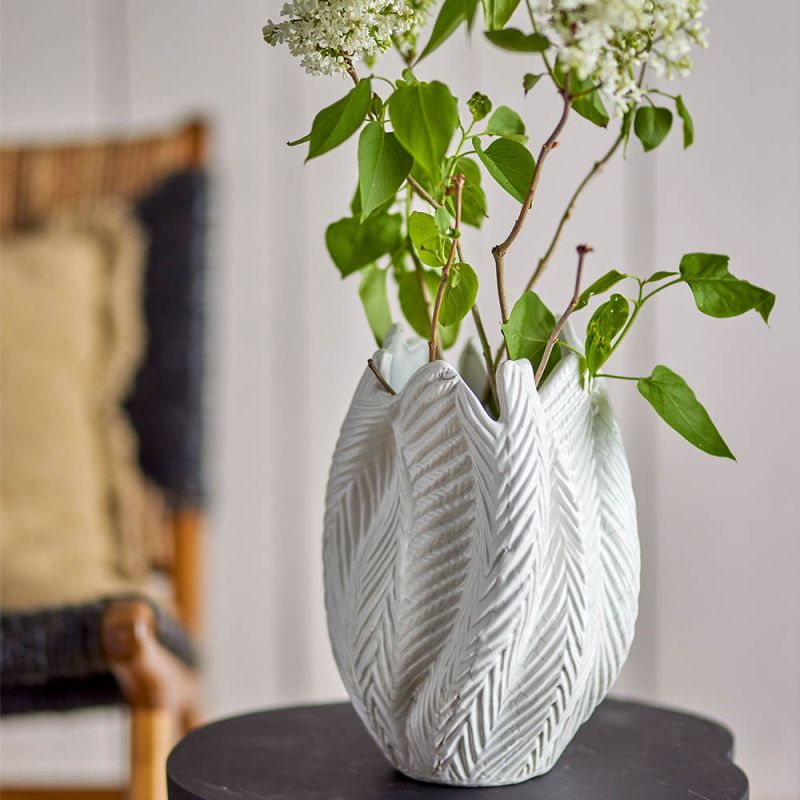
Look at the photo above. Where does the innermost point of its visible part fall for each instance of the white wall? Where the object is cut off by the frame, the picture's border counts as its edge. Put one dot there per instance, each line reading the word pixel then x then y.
pixel 719 630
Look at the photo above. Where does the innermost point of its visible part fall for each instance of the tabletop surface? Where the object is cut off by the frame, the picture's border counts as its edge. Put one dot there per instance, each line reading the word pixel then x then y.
pixel 626 751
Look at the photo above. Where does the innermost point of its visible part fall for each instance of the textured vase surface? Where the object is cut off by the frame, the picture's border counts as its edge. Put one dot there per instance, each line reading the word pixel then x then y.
pixel 481 576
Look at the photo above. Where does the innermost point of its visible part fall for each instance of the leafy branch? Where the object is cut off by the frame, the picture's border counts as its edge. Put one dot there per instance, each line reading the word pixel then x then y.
pixel 405 149
pixel 457 188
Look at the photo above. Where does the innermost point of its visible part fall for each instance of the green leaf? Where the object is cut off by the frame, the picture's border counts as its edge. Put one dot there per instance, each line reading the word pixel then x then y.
pixel 443 219
pixel 383 165
pixel 460 294
pixel 529 80
pixel 479 106
pixel 422 227
pixel 590 106
pixel 677 405
pixel 606 322
pixel 473 200
pixel 470 7
pixel 720 294
pixel 303 140
pixel 625 130
pixel 661 275
pixel 424 117
pixel 413 305
pixel 509 163
pixel 688 123
pixel 506 122
pixel 372 291
pixel 451 15
pixel 517 41
pixel 408 76
pixel 528 329
pixel 652 125
pixel 424 233
pixel 415 309
pixel 353 245
pixel 355 204
pixel 338 122
pixel 602 284
pixel 497 12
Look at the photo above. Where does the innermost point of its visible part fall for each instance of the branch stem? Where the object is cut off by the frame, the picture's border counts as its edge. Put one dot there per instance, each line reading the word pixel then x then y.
pixel 377 373
pixel 597 167
pixel 487 350
pixel 499 251
pixel 583 249
pixel 419 271
pixel 351 70
pixel 617 377
pixel 422 193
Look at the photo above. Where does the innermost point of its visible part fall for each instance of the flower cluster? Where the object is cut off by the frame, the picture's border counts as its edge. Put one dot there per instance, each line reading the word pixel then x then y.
pixel 407 41
pixel 609 41
pixel 330 35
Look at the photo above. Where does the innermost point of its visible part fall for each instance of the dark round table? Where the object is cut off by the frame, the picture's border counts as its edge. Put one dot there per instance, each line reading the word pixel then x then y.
pixel 626 751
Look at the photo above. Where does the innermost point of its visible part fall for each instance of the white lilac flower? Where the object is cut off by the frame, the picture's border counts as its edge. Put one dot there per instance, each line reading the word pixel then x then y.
pixel 328 35
pixel 608 41
pixel 407 42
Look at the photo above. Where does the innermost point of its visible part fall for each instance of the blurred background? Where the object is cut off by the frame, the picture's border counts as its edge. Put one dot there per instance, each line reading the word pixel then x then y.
pixel 719 627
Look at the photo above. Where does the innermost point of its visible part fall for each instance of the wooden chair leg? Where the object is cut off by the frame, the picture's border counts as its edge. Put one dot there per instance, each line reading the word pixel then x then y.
pixel 158 689
pixel 152 737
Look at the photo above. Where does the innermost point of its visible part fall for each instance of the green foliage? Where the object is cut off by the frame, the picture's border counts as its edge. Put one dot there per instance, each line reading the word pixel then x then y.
pixel 529 80
pixel 506 122
pixel 460 294
pixel 509 163
pixel 338 122
pixel 415 308
pixel 443 219
pixel 451 15
pixel 473 199
pixel 424 117
pixel 604 326
pixel 424 233
pixel 517 41
pixel 375 299
pixel 528 329
pixel 677 405
pixel 355 204
pixel 424 121
pixel 497 12
pixel 651 126
pixel 720 294
pixel 479 106
pixel 353 244
pixel 688 123
pixel 661 275
pixel 301 140
pixel 588 105
pixel 376 107
pixel 625 130
pixel 602 284
pixel 383 165
pixel 470 9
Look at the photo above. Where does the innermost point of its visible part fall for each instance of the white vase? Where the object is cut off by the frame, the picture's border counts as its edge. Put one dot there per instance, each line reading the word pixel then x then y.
pixel 481 576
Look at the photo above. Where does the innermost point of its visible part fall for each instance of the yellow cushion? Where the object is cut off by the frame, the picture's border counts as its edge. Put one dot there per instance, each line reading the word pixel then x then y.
pixel 72 513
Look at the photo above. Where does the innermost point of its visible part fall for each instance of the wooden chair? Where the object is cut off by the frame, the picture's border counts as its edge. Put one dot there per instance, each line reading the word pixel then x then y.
pixel 126 649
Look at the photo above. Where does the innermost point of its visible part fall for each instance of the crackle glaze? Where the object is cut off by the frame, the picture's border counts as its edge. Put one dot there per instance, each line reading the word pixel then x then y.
pixel 481 576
